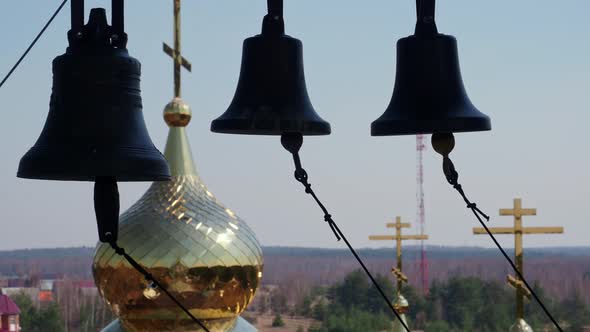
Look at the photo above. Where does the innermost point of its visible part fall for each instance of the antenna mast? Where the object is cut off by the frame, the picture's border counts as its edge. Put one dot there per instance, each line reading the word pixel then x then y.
pixel 420 147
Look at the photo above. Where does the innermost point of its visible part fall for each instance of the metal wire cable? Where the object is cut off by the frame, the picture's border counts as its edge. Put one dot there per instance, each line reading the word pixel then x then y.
pixel 452 177
pixel 292 142
pixel 33 43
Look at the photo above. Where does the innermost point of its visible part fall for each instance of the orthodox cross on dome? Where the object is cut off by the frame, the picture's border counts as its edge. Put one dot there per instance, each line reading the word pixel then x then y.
pixel 174 53
pixel 518 230
pixel 398 237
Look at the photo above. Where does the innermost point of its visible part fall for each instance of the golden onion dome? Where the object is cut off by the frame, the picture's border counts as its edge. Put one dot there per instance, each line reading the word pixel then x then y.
pixel 204 254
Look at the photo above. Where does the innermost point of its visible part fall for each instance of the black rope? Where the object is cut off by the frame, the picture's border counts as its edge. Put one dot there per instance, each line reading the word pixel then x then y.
pixel 452 177
pixel 292 142
pixel 150 278
pixel 33 43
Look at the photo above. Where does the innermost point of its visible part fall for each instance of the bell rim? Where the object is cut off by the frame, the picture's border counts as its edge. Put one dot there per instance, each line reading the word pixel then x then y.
pixel 83 178
pixel 419 127
pixel 44 163
pixel 245 127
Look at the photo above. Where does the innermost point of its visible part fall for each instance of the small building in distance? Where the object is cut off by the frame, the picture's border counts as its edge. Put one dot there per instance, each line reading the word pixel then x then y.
pixel 9 314
pixel 46 291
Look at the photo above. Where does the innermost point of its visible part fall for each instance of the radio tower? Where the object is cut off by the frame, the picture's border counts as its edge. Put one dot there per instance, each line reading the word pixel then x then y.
pixel 420 147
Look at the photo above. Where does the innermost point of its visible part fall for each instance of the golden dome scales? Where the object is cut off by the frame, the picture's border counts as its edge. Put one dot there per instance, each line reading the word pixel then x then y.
pixel 204 254
pixel 207 256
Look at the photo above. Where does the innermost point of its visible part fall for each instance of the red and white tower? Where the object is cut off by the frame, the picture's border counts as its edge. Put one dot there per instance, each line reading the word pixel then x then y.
pixel 420 217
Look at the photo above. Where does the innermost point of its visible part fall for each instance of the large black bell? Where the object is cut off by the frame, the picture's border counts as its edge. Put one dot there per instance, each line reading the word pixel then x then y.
pixel 271 97
pixel 95 126
pixel 428 96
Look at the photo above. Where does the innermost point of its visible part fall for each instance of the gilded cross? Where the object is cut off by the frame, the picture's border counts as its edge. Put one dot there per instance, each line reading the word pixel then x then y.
pixel 518 230
pixel 398 237
pixel 174 53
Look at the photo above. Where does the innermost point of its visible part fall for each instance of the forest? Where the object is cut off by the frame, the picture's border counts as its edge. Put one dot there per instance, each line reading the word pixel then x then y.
pixel 460 304
pixel 467 290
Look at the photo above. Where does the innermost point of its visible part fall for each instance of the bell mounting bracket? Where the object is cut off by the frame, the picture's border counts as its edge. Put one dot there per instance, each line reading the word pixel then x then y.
pixel 114 34
pixel 425 12
pixel 273 23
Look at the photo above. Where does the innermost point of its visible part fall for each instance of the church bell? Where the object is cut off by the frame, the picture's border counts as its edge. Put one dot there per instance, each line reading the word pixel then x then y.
pixel 95 126
pixel 271 97
pixel 428 95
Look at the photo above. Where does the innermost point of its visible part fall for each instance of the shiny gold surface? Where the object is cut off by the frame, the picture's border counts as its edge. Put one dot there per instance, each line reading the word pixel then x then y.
pixel 177 113
pixel 402 307
pixel 198 248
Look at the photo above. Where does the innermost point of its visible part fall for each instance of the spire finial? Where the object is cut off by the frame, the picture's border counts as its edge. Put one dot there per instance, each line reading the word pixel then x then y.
pixel 177 113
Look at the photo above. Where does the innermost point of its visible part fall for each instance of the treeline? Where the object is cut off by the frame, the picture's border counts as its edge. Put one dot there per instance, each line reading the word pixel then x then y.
pixel 559 275
pixel 456 305
pixel 460 304
pixel 434 252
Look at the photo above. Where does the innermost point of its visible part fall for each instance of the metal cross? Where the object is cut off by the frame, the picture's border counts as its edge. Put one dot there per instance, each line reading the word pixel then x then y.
pixel 174 53
pixel 518 212
pixel 398 237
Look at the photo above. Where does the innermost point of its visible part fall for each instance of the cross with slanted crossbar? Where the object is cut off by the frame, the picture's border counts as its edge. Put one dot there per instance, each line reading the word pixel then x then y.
pixel 398 237
pixel 174 53
pixel 518 212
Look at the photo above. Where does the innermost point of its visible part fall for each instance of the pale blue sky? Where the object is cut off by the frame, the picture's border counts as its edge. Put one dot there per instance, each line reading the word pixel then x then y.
pixel 525 64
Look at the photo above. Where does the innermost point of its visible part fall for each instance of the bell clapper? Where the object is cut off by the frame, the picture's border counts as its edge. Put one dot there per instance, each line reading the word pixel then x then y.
pixel 106 208
pixel 443 144
pixel 292 142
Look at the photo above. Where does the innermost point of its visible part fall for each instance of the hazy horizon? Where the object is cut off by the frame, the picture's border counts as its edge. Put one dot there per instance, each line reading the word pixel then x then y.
pixel 411 247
